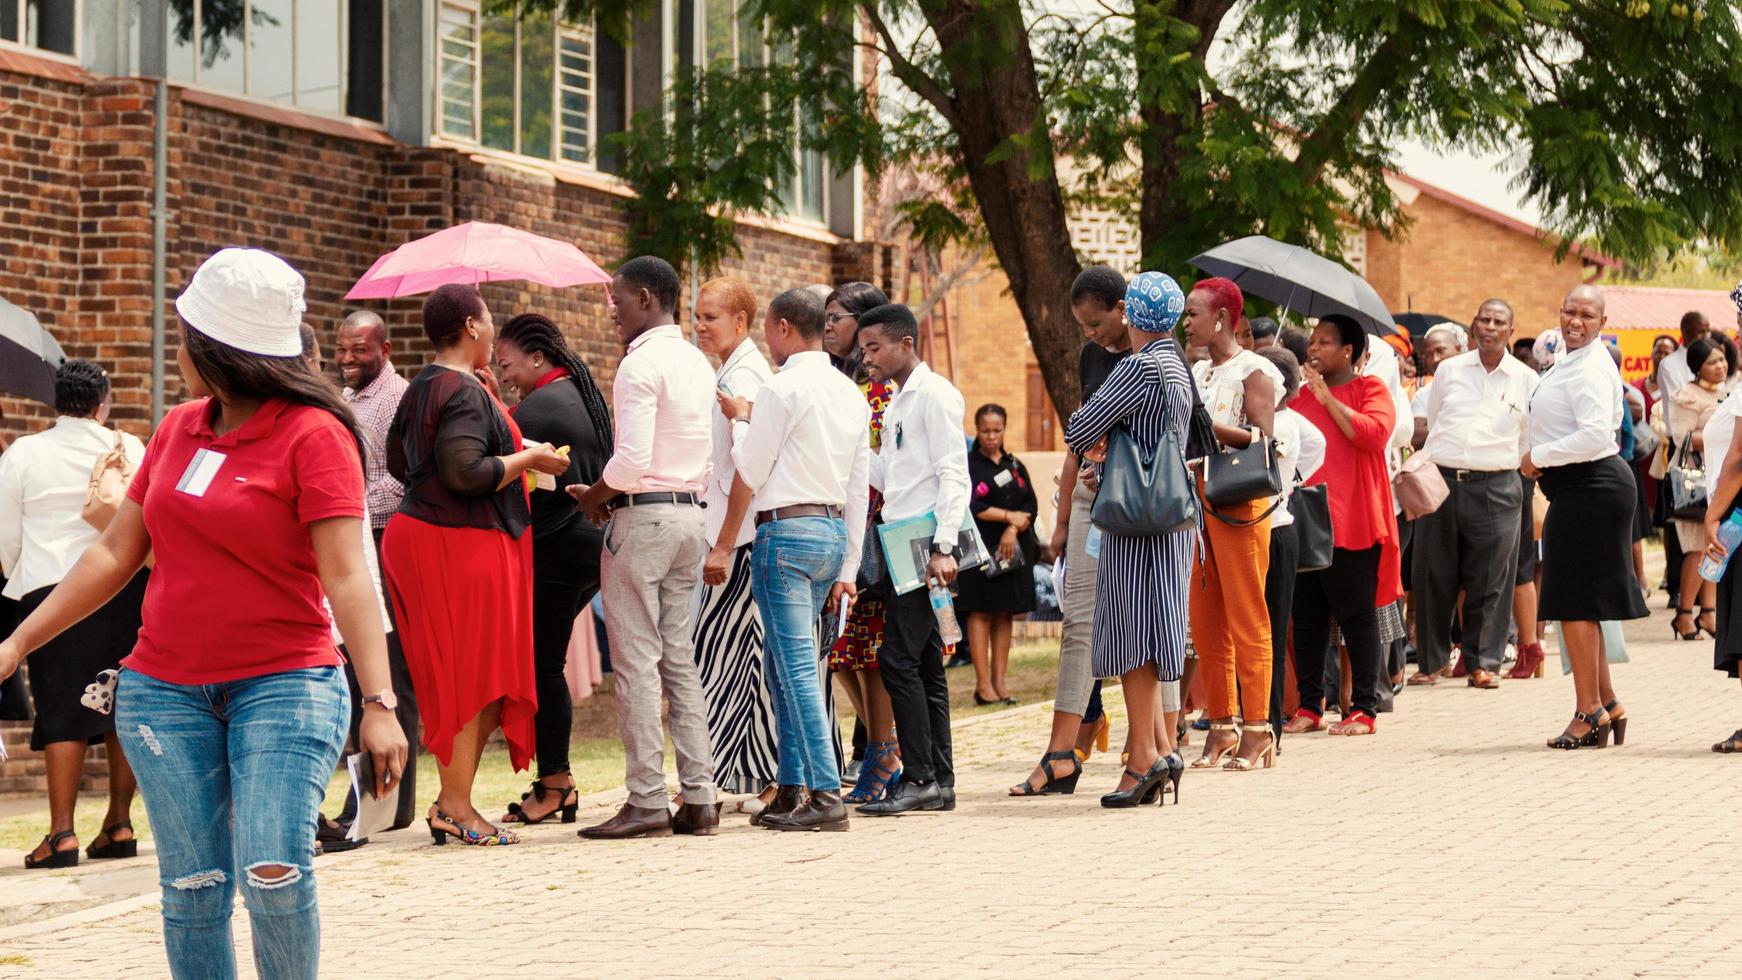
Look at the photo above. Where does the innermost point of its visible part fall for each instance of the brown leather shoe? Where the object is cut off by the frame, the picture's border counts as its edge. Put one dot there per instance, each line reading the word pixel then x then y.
pixel 786 800
pixel 824 812
pixel 1482 679
pixel 697 819
pixel 631 821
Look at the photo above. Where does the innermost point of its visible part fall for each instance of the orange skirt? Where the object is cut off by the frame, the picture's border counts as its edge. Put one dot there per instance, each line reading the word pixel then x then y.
pixel 463 598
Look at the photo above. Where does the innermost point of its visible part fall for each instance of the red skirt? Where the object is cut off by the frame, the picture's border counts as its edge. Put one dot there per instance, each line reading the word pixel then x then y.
pixel 463 601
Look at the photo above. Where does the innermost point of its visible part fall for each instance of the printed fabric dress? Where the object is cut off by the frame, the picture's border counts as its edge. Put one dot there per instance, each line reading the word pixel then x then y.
pixel 856 647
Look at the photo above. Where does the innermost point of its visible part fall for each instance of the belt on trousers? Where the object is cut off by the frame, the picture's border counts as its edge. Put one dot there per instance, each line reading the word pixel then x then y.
pixel 660 497
pixel 1473 476
pixel 796 510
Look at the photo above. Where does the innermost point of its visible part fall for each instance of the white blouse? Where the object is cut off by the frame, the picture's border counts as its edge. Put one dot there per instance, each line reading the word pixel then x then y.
pixel 43 481
pixel 1223 386
pixel 1577 408
pixel 1300 450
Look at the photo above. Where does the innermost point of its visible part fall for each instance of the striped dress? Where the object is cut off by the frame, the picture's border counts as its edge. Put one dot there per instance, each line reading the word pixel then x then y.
pixel 1141 596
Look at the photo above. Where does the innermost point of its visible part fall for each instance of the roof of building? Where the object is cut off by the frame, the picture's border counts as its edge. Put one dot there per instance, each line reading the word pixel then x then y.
pixel 1658 308
pixel 1582 252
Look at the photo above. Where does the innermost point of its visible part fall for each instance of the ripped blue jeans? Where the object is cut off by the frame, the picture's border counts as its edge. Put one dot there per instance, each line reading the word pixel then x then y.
pixel 233 776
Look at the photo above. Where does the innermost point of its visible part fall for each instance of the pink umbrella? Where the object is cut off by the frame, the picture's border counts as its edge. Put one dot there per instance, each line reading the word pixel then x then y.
pixel 476 252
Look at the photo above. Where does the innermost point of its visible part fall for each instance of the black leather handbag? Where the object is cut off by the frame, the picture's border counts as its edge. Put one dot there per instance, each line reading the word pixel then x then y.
pixel 1238 476
pixel 1143 495
pixel 1686 480
pixel 873 579
pixel 1311 507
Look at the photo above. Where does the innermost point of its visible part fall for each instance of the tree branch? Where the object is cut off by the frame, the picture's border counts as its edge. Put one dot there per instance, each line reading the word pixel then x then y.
pixel 1345 115
pixel 910 74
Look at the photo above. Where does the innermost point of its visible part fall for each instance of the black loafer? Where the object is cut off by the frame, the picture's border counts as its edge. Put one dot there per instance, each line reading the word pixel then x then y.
pixel 908 798
pixel 945 803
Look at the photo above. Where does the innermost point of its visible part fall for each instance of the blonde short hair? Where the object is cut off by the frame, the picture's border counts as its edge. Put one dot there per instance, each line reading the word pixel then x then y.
pixel 736 294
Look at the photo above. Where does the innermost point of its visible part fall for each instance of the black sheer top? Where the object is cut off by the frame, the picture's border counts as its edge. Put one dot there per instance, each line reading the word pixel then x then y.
pixel 555 413
pixel 444 445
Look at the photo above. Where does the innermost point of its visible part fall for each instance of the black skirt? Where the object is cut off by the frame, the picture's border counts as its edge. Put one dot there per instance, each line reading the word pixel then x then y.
pixel 1727 652
pixel 1012 592
pixel 1587 543
pixel 65 665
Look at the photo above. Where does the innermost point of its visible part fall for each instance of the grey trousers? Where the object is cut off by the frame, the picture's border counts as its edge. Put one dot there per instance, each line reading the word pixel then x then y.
pixel 648 572
pixel 1076 649
pixel 1469 544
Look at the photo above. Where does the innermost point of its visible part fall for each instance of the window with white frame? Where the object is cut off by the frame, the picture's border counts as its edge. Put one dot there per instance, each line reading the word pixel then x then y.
pixel 48 25
pixel 321 55
pixel 531 85
pixel 724 32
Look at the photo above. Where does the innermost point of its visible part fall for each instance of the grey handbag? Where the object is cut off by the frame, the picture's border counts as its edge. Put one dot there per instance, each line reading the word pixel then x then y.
pixel 1142 494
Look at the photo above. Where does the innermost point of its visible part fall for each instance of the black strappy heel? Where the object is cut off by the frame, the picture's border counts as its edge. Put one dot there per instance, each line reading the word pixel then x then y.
pixel 55 859
pixel 1617 722
pixel 1146 789
pixel 115 848
pixel 1055 785
pixel 1597 737
pixel 571 802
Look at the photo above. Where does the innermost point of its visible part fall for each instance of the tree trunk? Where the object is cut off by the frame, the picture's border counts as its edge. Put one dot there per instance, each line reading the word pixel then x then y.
pixel 1000 123
pixel 1159 149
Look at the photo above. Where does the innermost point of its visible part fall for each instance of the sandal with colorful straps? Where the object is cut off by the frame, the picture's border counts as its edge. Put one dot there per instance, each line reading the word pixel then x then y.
pixel 1357 723
pixel 465 834
pixel 878 778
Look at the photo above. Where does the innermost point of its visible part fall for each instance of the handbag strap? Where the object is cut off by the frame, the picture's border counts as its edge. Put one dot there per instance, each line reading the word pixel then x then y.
pixel 1275 502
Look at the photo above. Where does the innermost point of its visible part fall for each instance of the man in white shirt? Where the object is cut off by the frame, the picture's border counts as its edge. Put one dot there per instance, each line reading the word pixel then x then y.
pixel 1673 371
pixel 1442 342
pixel 651 493
pixel 806 454
pixel 1477 419
pixel 922 468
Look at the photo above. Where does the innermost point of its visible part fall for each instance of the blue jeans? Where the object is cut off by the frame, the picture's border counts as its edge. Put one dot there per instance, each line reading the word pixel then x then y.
pixel 233 775
pixel 792 567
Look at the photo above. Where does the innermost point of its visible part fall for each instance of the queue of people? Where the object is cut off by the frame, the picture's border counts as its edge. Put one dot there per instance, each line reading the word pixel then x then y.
pixel 730 516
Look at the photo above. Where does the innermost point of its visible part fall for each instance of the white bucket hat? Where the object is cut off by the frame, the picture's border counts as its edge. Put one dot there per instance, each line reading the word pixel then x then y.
pixel 247 299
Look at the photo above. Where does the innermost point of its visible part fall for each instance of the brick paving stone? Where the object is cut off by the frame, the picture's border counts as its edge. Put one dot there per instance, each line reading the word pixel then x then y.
pixel 1453 844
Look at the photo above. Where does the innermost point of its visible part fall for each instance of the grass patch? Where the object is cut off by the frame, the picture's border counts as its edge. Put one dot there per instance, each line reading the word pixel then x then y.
pixel 15 959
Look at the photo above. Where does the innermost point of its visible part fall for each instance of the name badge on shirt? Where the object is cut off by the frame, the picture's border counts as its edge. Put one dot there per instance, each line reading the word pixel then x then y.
pixel 202 469
pixel 1003 478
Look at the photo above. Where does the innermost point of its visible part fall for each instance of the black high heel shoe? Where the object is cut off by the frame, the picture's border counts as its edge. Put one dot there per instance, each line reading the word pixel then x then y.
pixel 1617 722
pixel 1693 634
pixel 1055 785
pixel 1144 791
pixel 55 858
pixel 114 848
pixel 1700 627
pixel 1176 767
pixel 571 802
pixel 1597 737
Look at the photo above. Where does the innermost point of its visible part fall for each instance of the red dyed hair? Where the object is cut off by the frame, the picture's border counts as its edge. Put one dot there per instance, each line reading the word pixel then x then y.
pixel 1225 296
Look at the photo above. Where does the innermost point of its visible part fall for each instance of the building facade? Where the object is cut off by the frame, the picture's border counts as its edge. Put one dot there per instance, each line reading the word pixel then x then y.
pixel 330 131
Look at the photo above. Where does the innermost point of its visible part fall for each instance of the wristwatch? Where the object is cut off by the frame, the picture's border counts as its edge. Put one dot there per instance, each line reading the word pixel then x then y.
pixel 385 699
pixel 947 550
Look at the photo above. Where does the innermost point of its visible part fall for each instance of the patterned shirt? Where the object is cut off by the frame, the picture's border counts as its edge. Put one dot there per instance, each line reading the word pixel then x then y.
pixel 375 407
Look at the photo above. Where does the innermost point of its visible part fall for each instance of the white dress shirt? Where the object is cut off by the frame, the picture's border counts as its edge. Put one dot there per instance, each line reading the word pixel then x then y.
pixel 1576 409
pixel 664 401
pixel 921 465
pixel 1720 432
pixel 743 374
pixel 808 442
pixel 1672 373
pixel 1300 451
pixel 1478 419
pixel 1223 386
pixel 43 481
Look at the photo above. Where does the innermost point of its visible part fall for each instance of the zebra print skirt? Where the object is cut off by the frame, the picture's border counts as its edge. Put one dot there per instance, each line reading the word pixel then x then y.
pixel 1141 603
pixel 729 658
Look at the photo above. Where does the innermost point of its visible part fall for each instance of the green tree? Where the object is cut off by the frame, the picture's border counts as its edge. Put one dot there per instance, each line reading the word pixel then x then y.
pixel 1621 117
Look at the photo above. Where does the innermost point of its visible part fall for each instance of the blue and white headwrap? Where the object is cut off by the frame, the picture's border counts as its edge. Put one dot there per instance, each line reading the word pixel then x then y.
pixel 1153 302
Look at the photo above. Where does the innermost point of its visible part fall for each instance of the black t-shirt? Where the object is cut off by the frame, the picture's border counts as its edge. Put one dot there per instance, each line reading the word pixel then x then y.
pixel 1096 365
pixel 555 413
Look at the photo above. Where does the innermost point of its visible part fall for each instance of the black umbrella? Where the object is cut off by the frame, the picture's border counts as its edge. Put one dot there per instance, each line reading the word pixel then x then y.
pixel 1418 324
pixel 29 355
pixel 1299 279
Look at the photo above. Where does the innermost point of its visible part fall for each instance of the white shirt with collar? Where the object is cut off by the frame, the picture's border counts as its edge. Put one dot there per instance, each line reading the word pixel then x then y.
pixel 1577 408
pixel 743 375
pixel 43 481
pixel 808 442
pixel 1479 419
pixel 921 465
pixel 664 402
pixel 1672 373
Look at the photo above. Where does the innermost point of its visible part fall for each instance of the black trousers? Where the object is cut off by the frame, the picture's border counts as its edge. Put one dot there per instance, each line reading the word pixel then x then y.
pixel 1279 600
pixel 1471 544
pixel 406 712
pixel 911 661
pixel 1345 590
pixel 565 577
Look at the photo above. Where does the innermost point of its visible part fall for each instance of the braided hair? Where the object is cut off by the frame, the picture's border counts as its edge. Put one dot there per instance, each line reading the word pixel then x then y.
pixel 534 333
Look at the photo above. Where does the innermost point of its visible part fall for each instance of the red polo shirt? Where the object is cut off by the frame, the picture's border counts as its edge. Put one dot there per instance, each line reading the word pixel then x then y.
pixel 235 593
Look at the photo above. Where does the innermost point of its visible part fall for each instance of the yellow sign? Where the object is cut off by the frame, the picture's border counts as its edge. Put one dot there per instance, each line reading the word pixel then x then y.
pixel 1635 350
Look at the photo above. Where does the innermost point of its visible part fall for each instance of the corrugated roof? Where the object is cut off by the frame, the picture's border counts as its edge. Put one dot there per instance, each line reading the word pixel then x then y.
pixel 1658 308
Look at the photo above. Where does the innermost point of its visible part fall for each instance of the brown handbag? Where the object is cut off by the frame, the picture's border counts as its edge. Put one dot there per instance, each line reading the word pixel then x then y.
pixel 1419 486
pixel 109 479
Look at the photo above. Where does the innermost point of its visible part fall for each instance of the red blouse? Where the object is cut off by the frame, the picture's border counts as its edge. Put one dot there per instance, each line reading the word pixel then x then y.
pixel 1359 481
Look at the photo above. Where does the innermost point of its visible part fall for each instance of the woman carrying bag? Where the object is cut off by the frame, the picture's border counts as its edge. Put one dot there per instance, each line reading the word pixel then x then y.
pixel 1003 503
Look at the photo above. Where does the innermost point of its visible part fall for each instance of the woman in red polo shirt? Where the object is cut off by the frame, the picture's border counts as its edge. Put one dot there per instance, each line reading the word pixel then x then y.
pixel 1355 413
pixel 232 707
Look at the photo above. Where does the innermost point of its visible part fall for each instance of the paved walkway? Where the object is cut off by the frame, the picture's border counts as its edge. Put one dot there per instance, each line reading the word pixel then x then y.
pixel 1451 845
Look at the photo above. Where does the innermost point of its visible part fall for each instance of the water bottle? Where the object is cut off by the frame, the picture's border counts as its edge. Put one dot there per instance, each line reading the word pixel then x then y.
pixel 944 609
pixel 1092 544
pixel 1729 535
